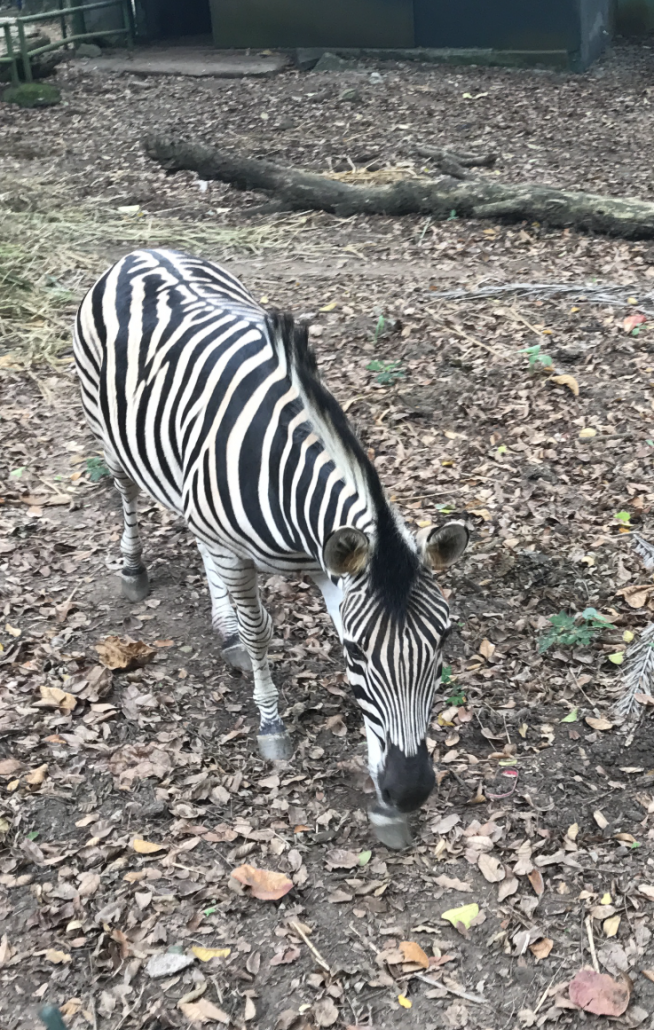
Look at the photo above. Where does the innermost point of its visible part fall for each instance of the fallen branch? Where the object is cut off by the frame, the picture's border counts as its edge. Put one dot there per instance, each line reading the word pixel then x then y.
pixel 470 198
pixel 593 294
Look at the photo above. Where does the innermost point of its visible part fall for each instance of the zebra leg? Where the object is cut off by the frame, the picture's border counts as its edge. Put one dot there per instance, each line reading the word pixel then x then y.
pixel 134 581
pixel 223 616
pixel 255 630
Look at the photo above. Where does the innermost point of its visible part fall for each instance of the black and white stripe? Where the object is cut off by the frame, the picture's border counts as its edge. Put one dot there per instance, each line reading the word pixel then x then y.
pixel 213 406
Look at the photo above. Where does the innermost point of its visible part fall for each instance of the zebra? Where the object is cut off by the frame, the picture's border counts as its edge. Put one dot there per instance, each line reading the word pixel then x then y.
pixel 214 407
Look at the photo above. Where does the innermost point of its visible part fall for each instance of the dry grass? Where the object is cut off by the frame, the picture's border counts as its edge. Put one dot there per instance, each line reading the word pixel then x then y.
pixel 49 259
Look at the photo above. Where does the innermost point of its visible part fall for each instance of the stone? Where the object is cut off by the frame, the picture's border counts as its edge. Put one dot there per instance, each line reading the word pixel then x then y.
pixel 307 57
pixel 333 63
pixel 88 50
pixel 32 94
pixel 350 96
pixel 167 963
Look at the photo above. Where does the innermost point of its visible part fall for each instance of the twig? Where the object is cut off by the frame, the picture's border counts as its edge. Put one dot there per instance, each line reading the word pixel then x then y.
pixel 466 336
pixel 316 954
pixel 608 294
pixel 453 990
pixel 591 943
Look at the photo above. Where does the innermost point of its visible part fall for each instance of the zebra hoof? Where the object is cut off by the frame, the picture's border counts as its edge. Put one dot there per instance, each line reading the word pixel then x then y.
pixel 237 657
pixel 391 827
pixel 275 747
pixel 135 588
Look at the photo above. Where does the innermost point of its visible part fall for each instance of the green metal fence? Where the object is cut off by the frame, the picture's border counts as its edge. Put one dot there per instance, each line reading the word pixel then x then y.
pixel 16 41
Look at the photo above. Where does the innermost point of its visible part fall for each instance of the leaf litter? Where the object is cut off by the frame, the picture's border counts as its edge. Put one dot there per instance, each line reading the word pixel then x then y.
pixel 164 752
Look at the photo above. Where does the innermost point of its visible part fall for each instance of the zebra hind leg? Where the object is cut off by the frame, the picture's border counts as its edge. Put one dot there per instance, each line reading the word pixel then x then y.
pixel 134 582
pixel 223 616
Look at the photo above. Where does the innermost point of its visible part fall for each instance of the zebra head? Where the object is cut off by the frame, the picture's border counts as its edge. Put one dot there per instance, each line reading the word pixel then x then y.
pixel 393 633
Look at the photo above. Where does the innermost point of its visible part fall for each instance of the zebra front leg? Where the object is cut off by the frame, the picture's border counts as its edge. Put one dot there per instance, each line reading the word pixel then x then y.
pixel 255 631
pixel 134 582
pixel 223 616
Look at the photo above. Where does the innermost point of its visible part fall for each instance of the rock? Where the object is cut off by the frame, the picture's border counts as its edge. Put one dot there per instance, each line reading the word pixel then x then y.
pixel 167 963
pixel 88 50
pixel 307 57
pixel 332 63
pixel 350 96
pixel 32 94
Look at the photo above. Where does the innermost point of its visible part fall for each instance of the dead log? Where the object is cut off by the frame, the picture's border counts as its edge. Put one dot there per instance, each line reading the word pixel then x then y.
pixel 468 198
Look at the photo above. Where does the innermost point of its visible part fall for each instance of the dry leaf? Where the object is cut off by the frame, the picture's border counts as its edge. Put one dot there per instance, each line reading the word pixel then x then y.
pixel 125 654
pixel 541 949
pixel 250 1010
pixel 600 819
pixel 88 884
pixel 206 954
pixel 265 885
pixel 6 951
pixel 508 886
pixel 486 649
pixel 452 883
pixel 145 847
pixel 36 777
pixel 568 381
pixel 598 993
pixel 203 1011
pixel 58 957
pixel 631 321
pixel 336 724
pixel 325 1012
pixel 636 595
pixel 587 434
pixel 9 766
pixel 339 858
pixel 53 697
pixel 535 878
pixel 610 926
pixel 412 952
pixel 647 890
pixel 491 868
pixel 599 724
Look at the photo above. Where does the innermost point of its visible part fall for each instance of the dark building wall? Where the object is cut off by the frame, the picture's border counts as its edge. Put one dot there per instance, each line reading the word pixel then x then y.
pixel 499 24
pixel 305 23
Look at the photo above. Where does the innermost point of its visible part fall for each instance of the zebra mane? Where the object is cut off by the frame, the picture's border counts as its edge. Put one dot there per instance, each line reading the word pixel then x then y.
pixel 394 563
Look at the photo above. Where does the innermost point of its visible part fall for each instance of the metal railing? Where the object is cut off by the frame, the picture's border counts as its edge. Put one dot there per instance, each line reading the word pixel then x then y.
pixel 23 54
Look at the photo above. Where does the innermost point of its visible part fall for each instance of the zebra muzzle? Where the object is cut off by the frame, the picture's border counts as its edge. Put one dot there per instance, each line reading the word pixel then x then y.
pixel 391 826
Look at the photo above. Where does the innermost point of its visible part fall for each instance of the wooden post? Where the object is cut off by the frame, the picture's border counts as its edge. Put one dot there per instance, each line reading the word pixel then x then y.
pixel 11 55
pixel 62 22
pixel 22 42
pixel 128 22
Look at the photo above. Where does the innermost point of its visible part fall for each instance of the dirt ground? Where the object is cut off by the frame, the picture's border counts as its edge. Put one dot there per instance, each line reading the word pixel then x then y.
pixel 93 761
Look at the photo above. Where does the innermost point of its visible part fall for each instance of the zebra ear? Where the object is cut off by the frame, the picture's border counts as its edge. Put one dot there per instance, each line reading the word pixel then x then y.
pixel 346 551
pixel 444 545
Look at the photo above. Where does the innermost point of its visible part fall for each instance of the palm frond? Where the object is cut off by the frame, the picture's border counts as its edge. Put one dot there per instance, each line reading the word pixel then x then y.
pixel 644 550
pixel 638 674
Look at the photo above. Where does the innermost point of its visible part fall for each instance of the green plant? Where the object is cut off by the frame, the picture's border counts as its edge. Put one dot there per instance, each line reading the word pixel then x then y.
pixel 380 329
pixel 573 630
pixel 536 359
pixel 623 517
pixel 388 371
pixel 96 469
pixel 32 94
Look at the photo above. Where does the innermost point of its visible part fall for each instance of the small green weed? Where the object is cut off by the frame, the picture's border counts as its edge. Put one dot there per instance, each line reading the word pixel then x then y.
pixel 96 469
pixel 380 328
pixel 388 371
pixel 573 630
pixel 536 359
pixel 623 517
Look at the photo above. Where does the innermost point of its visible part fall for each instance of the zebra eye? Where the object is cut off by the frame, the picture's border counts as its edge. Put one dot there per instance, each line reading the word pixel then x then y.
pixel 355 651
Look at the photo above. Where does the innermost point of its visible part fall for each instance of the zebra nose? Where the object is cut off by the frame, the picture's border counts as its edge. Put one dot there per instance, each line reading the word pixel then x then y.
pixel 407 780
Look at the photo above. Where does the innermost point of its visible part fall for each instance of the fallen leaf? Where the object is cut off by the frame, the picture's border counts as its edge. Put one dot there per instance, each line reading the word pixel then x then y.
pixel 325 1012
pixel 587 434
pixel 57 957
pixel 6 951
pixel 452 883
pixel 486 649
pixel 9 766
pixel 568 381
pixel 125 654
pixel 464 914
pixel 36 777
pixel 610 926
pixel 206 954
pixel 491 868
pixel 571 716
pixel 631 321
pixel 146 847
pixel 203 1011
pixel 572 831
pixel 535 878
pixel 250 1010
pixel 617 658
pixel 508 886
pixel 167 963
pixel 598 993
pixel 265 885
pixel 636 595
pixel 647 890
pixel 54 697
pixel 541 949
pixel 412 952
pixel 88 884
pixel 339 858
pixel 649 973
pixel 599 724
pixel 404 1002
pixel 600 819
pixel 336 724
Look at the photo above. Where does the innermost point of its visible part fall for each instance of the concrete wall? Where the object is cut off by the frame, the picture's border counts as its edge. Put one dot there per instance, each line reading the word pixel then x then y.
pixel 634 17
pixel 306 23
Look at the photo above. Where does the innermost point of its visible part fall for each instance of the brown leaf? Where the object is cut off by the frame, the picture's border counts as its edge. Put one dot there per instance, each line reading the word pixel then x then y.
pixel 250 1010
pixel 412 952
pixel 491 868
pixel 636 595
pixel 486 649
pixel 9 766
pixel 508 886
pixel 599 724
pixel 610 926
pixel 265 884
pixel 54 697
pixel 631 321
pixel 600 819
pixel 325 1012
pixel 145 847
pixel 452 883
pixel 647 890
pixel 339 858
pixel 336 724
pixel 541 949
pixel 58 957
pixel 535 878
pixel 125 654
pixel 36 777
pixel 6 951
pixel 88 884
pixel 203 1011
pixel 599 993
pixel 568 381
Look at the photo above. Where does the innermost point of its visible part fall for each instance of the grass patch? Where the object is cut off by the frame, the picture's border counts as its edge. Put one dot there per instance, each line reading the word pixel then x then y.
pixel 48 261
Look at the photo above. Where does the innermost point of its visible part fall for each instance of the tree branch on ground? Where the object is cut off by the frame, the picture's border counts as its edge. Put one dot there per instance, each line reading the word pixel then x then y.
pixel 468 198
